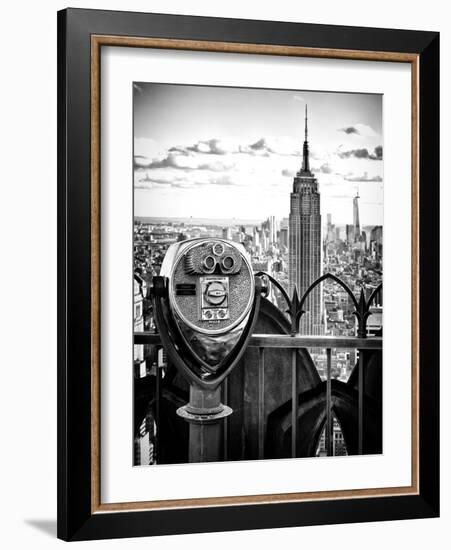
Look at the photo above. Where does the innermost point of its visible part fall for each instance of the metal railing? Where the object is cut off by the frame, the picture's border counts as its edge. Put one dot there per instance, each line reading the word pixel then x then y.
pixel 295 342
pixel 264 341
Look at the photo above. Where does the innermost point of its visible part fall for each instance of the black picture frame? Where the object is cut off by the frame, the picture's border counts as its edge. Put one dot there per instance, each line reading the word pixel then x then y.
pixel 76 519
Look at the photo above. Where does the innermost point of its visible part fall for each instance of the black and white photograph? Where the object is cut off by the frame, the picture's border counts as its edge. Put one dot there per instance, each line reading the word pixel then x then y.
pixel 257 273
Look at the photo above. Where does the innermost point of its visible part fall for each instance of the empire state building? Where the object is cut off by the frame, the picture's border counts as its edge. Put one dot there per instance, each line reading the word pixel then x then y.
pixel 305 242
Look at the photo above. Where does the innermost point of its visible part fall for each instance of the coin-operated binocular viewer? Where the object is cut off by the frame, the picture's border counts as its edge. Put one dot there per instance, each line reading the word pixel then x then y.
pixel 206 302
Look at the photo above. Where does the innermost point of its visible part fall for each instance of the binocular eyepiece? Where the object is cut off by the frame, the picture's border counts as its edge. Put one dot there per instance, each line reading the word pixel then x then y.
pixel 225 264
pixel 215 257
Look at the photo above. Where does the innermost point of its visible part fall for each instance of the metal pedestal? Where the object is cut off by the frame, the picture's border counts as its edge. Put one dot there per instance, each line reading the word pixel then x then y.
pixel 205 414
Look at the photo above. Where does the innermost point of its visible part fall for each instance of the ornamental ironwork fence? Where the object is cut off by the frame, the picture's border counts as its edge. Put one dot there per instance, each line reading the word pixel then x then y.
pixel 291 343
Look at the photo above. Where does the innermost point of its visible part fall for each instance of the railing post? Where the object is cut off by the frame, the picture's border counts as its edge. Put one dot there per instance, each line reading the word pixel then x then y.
pixel 261 402
pixel 360 405
pixel 157 412
pixel 294 403
pixel 329 403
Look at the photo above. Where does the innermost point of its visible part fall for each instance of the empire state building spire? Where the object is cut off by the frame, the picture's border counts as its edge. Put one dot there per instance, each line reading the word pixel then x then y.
pixel 305 157
pixel 304 242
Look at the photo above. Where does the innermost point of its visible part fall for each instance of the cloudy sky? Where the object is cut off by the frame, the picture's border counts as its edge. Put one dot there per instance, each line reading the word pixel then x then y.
pixel 232 152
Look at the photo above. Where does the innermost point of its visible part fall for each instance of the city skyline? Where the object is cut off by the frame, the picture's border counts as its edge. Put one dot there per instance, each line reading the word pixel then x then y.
pixel 219 222
pixel 188 157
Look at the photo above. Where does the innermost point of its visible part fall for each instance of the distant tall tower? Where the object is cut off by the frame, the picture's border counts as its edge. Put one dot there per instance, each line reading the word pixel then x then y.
pixel 356 219
pixel 272 230
pixel 305 241
pixel 227 233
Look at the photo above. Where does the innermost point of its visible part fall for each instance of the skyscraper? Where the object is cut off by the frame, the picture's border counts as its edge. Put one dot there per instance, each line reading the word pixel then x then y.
pixel 356 220
pixel 227 233
pixel 330 235
pixel 349 234
pixel 305 241
pixel 272 230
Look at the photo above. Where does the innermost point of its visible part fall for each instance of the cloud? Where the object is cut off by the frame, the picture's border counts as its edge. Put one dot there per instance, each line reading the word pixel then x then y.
pixel 182 184
pixel 288 173
pixel 378 152
pixel 349 130
pixel 171 161
pixel 188 180
pixel 264 146
pixel 359 129
pixel 179 149
pixel 149 182
pixel 215 146
pixel 140 161
pixel 215 166
pixel 182 162
pixel 261 146
pixel 325 168
pixel 224 180
pixel 362 153
pixel 147 149
pixel 364 178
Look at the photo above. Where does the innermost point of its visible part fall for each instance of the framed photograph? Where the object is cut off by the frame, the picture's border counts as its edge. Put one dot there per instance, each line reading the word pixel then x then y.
pixel 248 274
